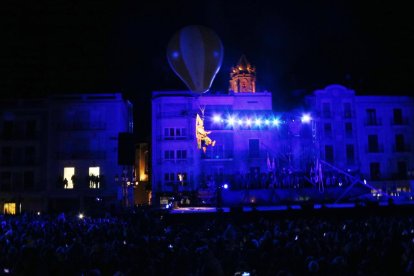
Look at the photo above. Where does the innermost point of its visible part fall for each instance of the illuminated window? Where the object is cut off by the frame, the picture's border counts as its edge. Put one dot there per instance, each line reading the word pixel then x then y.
pixel 9 208
pixel 94 178
pixel 68 177
pixel 182 178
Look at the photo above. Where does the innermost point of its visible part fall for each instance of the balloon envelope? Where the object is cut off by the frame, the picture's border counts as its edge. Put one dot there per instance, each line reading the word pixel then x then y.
pixel 195 54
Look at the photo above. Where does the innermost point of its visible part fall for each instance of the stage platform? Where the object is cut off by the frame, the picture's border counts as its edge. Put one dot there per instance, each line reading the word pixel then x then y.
pixel 291 196
pixel 291 207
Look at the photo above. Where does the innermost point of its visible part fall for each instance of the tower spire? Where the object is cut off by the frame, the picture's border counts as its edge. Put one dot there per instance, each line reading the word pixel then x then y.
pixel 243 77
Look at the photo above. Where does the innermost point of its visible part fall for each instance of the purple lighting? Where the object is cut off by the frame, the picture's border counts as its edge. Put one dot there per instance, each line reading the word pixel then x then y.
pixel 257 122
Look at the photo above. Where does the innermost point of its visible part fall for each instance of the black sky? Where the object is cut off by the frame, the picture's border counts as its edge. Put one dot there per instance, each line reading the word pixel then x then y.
pixel 62 46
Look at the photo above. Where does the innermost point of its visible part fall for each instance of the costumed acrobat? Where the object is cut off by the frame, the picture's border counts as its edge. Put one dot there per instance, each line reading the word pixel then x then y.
pixel 202 135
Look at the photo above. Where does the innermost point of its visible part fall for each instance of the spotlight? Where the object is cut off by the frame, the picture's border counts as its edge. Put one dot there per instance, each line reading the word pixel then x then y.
pixel 276 122
pixel 231 121
pixel 226 186
pixel 258 122
pixel 217 119
pixel 306 118
pixel 80 216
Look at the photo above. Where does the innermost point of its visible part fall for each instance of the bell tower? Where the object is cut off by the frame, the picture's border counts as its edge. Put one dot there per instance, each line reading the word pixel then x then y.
pixel 243 77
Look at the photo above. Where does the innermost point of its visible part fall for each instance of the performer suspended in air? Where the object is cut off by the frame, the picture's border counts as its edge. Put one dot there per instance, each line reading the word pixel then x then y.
pixel 202 135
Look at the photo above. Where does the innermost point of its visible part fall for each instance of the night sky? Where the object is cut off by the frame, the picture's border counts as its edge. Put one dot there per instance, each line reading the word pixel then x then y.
pixel 61 46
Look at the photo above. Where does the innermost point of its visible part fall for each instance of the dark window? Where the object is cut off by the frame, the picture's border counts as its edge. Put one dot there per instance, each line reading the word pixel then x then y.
pixel 347 110
pixel 399 143
pixel 6 155
pixel 169 178
pixel 329 153
pixel 169 133
pixel 8 129
pixel 398 119
pixel 327 129
pixel 169 154
pixel 5 181
pixel 373 143
pixel 30 155
pixel 216 152
pixel 375 170
pixel 326 110
pixel 254 150
pixel 348 129
pixel 181 154
pixel 371 117
pixel 402 169
pixel 31 129
pixel 28 180
pixel 350 154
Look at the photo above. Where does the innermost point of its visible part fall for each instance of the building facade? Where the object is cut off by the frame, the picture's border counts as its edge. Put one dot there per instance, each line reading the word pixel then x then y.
pixel 257 147
pixel 61 153
pixel 371 135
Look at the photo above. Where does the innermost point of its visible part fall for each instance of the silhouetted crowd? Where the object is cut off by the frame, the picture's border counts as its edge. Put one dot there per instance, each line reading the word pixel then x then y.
pixel 147 242
pixel 283 179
